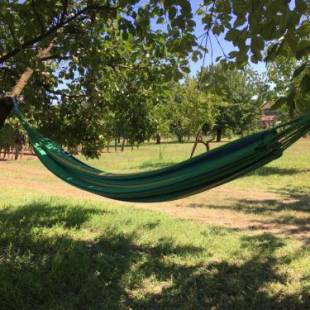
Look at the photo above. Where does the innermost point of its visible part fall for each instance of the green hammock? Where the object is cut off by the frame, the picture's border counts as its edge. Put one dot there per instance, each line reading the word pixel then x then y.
pixel 191 176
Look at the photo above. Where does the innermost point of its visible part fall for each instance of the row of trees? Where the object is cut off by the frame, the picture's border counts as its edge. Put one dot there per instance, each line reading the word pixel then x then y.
pixel 92 70
pixel 218 101
pixel 140 107
pixel 136 107
pixel 12 141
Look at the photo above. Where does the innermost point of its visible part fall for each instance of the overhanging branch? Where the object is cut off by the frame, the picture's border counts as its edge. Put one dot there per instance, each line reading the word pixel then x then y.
pixel 63 22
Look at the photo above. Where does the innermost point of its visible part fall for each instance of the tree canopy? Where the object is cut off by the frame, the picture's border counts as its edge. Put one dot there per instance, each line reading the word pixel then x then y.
pixel 91 68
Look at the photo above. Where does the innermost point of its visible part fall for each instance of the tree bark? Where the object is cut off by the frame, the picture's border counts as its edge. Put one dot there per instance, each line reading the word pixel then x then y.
pixel 196 143
pixel 199 139
pixel 219 132
pixel 158 139
pixel 21 83
pixel 108 146
pixel 180 138
pixel 115 144
pixel 7 103
pixel 123 144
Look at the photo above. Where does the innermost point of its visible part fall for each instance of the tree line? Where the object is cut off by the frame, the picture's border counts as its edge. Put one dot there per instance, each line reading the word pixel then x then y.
pixel 89 71
pixel 219 101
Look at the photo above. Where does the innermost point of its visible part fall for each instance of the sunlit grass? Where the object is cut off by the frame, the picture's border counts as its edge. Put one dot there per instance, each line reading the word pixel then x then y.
pixel 58 251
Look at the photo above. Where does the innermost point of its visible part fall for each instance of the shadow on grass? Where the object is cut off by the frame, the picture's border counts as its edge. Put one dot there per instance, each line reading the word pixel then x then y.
pixel 44 270
pixel 154 165
pixel 46 215
pixel 292 199
pixel 266 171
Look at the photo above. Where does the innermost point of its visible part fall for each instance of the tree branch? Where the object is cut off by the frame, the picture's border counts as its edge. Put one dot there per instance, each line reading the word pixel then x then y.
pixel 26 75
pixel 61 93
pixel 52 30
pixel 56 57
pixel 64 10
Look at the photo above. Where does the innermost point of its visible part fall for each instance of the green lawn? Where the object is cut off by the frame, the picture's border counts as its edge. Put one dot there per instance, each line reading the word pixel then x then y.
pixel 63 249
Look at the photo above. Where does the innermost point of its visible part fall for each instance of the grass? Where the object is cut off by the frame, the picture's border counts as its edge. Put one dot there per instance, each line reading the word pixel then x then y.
pixel 61 248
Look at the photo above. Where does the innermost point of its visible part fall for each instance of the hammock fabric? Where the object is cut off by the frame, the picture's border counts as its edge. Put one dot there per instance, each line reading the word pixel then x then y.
pixel 191 176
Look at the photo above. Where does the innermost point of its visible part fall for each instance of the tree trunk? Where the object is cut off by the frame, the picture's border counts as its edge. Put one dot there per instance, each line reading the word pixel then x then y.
pixel 158 139
pixel 22 82
pixel 108 146
pixel 207 143
pixel 197 140
pixel 6 103
pixel 219 132
pixel 180 138
pixel 123 144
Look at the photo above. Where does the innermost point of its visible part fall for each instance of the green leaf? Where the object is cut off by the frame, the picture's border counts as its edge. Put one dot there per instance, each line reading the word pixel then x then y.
pixel 218 29
pixel 301 5
pixel 172 11
pixel 279 103
pixel 304 29
pixel 305 84
pixel 272 52
pixel 160 20
pixel 299 70
pixel 233 54
pixel 200 12
pixel 232 35
pixel 196 55
pixel 185 69
pixel 303 49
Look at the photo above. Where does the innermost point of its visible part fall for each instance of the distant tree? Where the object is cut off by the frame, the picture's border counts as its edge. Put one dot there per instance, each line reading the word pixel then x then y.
pixel 242 92
pixel 290 79
pixel 12 141
pixel 160 117
pixel 70 52
pixel 189 109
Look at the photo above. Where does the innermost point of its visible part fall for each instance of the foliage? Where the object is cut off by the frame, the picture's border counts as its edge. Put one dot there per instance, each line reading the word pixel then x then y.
pixel 252 25
pixel 190 109
pixel 291 80
pixel 239 107
pixel 12 141
pixel 7 137
pixel 292 49
pixel 95 46
pixel 96 49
